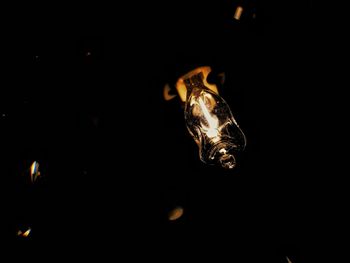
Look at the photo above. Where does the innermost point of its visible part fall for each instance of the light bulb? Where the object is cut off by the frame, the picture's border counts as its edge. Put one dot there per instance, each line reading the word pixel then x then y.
pixel 211 123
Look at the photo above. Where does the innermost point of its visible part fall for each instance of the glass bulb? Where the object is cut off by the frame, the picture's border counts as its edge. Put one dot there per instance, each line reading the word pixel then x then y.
pixel 212 125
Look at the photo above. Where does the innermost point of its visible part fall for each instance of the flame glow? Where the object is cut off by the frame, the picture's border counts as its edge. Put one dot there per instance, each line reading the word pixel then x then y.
pixel 209 120
pixel 238 13
pixel 166 93
pixel 24 234
pixel 180 85
pixel 176 213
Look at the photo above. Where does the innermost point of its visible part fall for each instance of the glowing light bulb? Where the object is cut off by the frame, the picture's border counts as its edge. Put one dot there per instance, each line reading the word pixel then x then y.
pixel 212 125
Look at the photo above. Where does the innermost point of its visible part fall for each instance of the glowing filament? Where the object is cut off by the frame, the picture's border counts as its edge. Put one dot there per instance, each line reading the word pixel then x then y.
pixel 212 121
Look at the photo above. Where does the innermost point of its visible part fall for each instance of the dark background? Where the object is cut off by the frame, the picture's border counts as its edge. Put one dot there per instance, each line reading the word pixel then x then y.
pixel 82 95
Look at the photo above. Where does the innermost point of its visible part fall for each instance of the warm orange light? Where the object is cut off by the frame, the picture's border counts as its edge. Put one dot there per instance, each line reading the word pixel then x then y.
pixel 238 13
pixel 176 213
pixel 208 118
pixel 24 234
pixel 180 85
pixel 166 93
pixel 210 122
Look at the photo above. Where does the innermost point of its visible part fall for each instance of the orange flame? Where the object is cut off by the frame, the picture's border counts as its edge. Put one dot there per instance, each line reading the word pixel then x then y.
pixel 180 85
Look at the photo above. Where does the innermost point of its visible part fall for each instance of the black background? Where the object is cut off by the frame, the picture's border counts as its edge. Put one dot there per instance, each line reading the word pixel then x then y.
pixel 82 95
